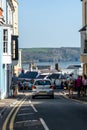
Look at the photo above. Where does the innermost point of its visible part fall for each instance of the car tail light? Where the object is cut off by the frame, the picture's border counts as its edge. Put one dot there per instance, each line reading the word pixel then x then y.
pixel 33 87
pixel 52 87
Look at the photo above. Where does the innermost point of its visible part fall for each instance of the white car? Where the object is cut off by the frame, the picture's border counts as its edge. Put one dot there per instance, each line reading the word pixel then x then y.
pixel 42 87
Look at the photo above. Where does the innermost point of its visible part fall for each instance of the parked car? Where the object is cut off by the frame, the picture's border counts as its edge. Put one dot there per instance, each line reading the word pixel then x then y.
pixel 57 79
pixel 26 79
pixel 42 87
pixel 42 76
pixel 31 74
pixel 28 75
pixel 28 84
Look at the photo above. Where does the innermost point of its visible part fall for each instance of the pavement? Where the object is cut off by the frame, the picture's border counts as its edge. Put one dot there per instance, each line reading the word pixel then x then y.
pixel 81 99
pixel 7 102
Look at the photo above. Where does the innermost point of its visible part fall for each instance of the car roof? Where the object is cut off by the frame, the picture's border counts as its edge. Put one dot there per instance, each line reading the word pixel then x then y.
pixel 42 79
pixel 55 75
pixel 29 75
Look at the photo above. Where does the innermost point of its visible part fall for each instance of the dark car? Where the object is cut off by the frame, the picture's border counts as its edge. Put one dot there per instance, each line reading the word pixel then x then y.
pixel 26 79
pixel 29 75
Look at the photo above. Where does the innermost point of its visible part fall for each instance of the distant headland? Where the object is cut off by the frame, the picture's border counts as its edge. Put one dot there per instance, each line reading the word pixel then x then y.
pixel 50 54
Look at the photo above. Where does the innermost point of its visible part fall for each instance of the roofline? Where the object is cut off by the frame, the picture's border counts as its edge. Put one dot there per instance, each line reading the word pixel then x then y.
pixel 84 28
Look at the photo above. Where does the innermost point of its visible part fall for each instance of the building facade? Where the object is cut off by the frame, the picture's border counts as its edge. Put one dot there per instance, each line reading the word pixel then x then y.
pixel 15 55
pixel 7 41
pixel 83 32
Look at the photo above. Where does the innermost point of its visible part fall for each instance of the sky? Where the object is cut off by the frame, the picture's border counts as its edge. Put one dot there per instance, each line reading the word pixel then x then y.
pixel 49 23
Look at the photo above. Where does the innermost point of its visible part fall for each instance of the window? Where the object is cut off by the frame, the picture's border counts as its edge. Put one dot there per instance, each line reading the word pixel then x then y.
pixel 5 40
pixel 85 47
pixel 42 82
pixel 14 48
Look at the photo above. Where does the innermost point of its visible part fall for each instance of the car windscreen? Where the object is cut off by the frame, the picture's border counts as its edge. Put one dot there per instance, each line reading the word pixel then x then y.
pixel 41 76
pixel 43 82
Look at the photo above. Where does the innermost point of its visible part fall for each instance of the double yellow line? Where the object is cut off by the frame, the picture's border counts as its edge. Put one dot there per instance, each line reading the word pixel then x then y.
pixel 17 107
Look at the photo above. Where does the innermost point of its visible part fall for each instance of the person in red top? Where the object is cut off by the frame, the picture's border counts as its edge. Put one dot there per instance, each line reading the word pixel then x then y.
pixel 78 85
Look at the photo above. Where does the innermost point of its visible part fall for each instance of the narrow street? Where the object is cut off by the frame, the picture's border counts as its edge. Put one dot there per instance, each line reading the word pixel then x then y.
pixel 39 51
pixel 41 113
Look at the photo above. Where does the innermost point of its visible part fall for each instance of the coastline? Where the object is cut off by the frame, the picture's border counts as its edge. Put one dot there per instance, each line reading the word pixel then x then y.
pixel 62 65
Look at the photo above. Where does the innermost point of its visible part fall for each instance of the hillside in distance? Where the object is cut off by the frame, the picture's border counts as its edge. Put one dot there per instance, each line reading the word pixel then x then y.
pixel 50 54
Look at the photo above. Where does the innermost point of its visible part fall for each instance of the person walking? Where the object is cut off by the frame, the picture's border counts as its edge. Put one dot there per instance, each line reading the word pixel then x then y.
pixel 84 81
pixel 70 81
pixel 15 84
pixel 78 83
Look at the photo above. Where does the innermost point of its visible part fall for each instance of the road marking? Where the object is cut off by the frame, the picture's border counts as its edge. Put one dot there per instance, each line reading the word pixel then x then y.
pixel 44 124
pixel 14 115
pixel 35 110
pixel 18 122
pixel 9 115
pixel 12 104
pixel 24 114
pixel 23 109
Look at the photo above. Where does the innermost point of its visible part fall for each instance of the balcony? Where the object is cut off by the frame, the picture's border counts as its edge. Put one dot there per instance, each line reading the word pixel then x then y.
pixel 1 16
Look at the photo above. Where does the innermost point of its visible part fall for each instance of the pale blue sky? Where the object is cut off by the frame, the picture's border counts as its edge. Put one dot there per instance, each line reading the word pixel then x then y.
pixel 49 23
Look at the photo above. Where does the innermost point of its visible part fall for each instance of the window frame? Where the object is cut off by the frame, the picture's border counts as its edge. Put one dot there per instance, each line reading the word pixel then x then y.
pixel 5 41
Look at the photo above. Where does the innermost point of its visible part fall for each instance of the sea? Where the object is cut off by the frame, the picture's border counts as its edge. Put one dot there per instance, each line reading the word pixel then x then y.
pixel 61 65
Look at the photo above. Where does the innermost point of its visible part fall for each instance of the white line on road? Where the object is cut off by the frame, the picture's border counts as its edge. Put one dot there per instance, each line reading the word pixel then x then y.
pixel 23 109
pixel 44 124
pixel 24 114
pixel 25 121
pixel 35 110
pixel 41 120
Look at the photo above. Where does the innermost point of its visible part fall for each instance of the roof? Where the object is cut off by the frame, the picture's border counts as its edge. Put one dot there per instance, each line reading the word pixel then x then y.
pixel 74 66
pixel 43 66
pixel 84 28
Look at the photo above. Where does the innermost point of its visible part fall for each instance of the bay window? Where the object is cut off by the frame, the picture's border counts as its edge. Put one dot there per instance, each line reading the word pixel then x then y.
pixel 5 40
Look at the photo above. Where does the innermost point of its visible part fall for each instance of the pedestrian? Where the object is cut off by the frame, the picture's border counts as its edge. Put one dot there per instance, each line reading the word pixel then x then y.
pixel 15 84
pixel 78 83
pixel 71 82
pixel 84 81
